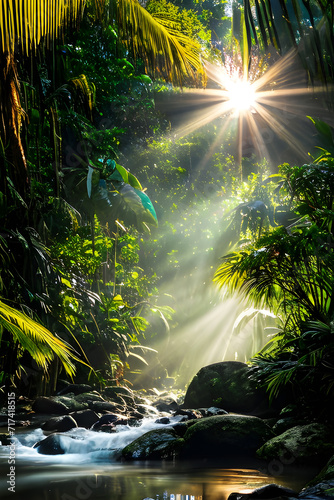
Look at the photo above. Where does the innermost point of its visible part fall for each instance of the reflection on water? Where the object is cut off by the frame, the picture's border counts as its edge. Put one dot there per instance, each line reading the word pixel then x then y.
pixel 88 470
pixel 35 481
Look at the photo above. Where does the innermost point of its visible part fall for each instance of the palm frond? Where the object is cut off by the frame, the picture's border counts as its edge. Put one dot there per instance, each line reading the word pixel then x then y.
pixel 25 23
pixel 33 337
pixel 157 42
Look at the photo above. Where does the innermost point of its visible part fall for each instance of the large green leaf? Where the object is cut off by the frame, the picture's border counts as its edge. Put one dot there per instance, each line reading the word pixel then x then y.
pixel 141 207
pixel 33 337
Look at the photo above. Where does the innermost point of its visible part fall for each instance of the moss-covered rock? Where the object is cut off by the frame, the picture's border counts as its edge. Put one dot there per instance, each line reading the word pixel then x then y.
pixel 71 402
pixel 320 491
pixel 224 436
pixel 300 444
pixel 326 474
pixel 227 385
pixel 49 405
pixel 87 397
pixel 154 445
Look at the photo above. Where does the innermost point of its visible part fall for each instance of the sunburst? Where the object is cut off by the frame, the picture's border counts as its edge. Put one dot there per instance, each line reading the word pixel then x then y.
pixel 266 106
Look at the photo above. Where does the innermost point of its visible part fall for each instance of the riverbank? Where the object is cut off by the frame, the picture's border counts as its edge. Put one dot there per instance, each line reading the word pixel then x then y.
pixel 239 431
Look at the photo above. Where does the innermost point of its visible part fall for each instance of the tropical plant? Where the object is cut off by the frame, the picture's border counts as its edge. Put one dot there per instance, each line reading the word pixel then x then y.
pixel 302 25
pixel 290 270
pixel 29 335
pixel 44 103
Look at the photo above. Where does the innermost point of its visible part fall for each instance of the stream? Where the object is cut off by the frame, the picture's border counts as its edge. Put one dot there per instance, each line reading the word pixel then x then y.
pixel 90 469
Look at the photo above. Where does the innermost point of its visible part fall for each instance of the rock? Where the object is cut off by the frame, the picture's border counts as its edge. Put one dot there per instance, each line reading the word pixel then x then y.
pixel 89 397
pixel 189 414
pixel 59 424
pixel 227 385
pixel 119 394
pixel 302 444
pixel 163 421
pixel 180 428
pixel 166 404
pixel 5 439
pixel 320 491
pixel 75 389
pixel 326 474
pixel 102 406
pixel 50 445
pixel 111 420
pixel 225 437
pixel 49 405
pixel 283 424
pixel 267 492
pixel 154 445
pixel 85 418
pixel 71 402
pixel 213 410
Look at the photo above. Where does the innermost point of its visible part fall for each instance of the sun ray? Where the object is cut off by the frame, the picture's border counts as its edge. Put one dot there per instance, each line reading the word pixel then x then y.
pixel 266 106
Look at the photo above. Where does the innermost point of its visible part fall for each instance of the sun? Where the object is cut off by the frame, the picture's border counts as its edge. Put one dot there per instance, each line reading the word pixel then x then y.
pixel 241 95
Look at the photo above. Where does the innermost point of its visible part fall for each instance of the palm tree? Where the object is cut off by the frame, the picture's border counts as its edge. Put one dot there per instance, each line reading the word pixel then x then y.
pixel 30 32
pixel 303 25
pixel 28 24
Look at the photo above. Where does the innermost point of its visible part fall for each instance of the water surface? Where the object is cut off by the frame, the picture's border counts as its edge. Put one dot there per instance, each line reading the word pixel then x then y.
pixel 90 469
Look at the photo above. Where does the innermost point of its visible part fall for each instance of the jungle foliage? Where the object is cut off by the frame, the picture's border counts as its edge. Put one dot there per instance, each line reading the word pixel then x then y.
pixel 73 92
pixel 85 175
pixel 288 267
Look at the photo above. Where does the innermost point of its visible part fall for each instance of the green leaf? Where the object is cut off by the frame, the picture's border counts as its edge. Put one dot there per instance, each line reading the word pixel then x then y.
pixel 128 177
pixel 66 282
pixel 323 128
pixel 33 337
pixel 147 204
pixel 141 206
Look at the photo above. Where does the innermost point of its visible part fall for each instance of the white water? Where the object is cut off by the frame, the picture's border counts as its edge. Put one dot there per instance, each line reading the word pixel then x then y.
pixel 82 445
pixel 89 469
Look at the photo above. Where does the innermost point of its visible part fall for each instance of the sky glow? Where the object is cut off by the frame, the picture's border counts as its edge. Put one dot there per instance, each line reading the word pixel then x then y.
pixel 269 107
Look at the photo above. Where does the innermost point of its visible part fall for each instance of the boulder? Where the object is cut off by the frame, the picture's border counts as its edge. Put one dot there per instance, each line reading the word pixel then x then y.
pixel 59 424
pixel 75 389
pixel 283 424
pixel 71 402
pixel 103 406
pixel 109 420
pixel 154 445
pixel 51 445
pixel 88 397
pixel 210 412
pixel 163 421
pixel 320 491
pixel 49 406
pixel 189 414
pixel 120 394
pixel 166 404
pixel 302 444
pixel 227 385
pixel 225 437
pixel 267 492
pixel 85 418
pixel 5 439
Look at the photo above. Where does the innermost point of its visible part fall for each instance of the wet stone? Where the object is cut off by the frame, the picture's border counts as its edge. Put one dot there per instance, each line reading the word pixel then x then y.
pixel 59 424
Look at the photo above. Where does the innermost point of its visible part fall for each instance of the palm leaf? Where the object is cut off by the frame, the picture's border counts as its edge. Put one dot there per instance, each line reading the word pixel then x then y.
pixel 156 41
pixel 41 344
pixel 26 22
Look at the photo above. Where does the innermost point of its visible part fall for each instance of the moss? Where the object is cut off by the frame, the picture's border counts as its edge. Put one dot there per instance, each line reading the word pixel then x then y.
pixel 302 442
pixel 154 445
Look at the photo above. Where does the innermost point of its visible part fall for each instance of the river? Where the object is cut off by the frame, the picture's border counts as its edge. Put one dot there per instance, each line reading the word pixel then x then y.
pixel 90 469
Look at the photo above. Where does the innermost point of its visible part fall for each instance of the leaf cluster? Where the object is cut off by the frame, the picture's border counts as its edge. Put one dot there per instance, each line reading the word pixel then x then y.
pixel 290 270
